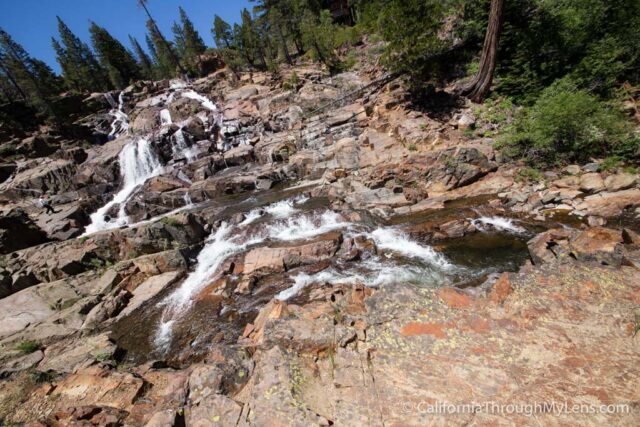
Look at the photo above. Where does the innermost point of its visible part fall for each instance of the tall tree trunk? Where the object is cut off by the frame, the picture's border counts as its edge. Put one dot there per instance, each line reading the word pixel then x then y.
pixel 13 81
pixel 479 87
pixel 284 44
pixel 183 72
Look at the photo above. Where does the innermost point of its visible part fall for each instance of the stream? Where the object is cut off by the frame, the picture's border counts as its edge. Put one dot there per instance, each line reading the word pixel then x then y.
pixel 203 310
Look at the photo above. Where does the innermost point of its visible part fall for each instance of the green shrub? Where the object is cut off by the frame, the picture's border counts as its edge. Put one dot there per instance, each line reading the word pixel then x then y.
pixel 28 346
pixel 611 162
pixel 568 124
pixel 346 36
pixel 530 174
pixel 169 220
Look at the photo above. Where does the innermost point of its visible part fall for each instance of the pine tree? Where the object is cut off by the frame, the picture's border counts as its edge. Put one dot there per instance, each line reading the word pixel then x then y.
pixel 272 14
pixel 193 45
pixel 30 78
pixel 157 70
pixel 178 39
pixel 250 41
pixel 222 34
pixel 318 36
pixel 114 57
pixel 144 61
pixel 163 51
pixel 81 69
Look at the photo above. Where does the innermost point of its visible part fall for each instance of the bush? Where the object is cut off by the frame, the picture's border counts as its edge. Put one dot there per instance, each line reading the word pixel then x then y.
pixel 28 346
pixel 568 124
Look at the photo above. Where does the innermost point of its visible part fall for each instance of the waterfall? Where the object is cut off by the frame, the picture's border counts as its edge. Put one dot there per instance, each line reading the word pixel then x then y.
pixel 203 100
pixel 137 160
pixel 138 163
pixel 165 117
pixel 120 122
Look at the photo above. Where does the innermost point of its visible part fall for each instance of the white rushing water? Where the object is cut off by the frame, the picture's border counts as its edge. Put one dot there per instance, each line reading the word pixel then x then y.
pixel 138 163
pixel 203 100
pixel 287 223
pixel 165 117
pixel 395 241
pixel 498 223
pixel 120 123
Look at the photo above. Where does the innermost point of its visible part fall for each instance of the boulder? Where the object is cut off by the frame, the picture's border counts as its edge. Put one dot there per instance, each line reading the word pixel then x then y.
pixel 149 289
pixel 278 259
pixel 183 108
pixel 146 121
pixel 572 169
pixel 53 176
pixel 609 204
pixel 591 183
pixel 70 354
pixel 620 181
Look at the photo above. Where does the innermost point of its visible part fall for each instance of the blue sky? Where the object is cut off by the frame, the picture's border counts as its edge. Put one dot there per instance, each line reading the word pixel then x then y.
pixel 33 22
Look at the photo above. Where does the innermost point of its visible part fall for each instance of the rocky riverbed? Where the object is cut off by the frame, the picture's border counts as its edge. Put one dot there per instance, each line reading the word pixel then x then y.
pixel 244 252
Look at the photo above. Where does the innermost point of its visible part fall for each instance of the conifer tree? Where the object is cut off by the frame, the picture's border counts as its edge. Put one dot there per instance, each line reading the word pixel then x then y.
pixel 81 69
pixel 157 71
pixel 31 78
pixel 164 51
pixel 222 34
pixel 193 44
pixel 114 57
pixel 178 39
pixel 318 36
pixel 165 55
pixel 250 41
pixel 144 61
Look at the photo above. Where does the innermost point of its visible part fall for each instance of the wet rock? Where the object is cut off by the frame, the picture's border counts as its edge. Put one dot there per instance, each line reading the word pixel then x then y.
pixel 278 259
pixel 591 183
pixel 195 128
pixel 620 181
pixel 183 108
pixel 146 121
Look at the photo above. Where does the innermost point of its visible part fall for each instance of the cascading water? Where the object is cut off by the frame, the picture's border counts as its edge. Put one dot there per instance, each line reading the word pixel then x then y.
pixel 498 223
pixel 120 122
pixel 285 222
pixel 138 162
pixel 165 117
